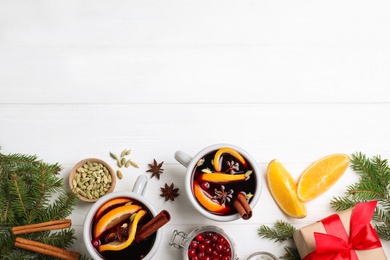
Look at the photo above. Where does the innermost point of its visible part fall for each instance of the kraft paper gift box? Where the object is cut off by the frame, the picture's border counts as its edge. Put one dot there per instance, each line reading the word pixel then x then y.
pixel 331 237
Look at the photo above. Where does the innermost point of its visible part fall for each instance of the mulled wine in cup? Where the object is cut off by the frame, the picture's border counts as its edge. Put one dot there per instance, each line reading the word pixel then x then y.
pixel 124 225
pixel 222 182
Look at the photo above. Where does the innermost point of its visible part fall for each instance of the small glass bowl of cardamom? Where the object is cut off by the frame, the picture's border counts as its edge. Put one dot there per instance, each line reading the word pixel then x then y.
pixel 91 179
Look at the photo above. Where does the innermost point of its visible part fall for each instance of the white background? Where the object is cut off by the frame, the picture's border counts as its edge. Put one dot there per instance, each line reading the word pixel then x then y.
pixel 292 80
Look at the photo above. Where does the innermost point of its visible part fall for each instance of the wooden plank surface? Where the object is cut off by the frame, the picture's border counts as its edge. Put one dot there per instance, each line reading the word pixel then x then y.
pixel 292 80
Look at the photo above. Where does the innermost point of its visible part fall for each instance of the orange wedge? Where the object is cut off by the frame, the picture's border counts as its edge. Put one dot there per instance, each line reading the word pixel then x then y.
pixel 114 217
pixel 207 202
pixel 284 190
pixel 119 245
pixel 321 175
pixel 228 150
pixel 109 204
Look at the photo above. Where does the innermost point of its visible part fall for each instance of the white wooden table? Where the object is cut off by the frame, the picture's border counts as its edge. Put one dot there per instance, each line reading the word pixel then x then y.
pixel 292 80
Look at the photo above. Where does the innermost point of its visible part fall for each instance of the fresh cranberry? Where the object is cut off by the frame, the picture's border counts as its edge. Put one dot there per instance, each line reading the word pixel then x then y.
pixel 209 234
pixel 202 247
pixel 221 240
pixel 207 241
pixel 191 252
pixel 194 244
pixel 199 238
pixel 219 248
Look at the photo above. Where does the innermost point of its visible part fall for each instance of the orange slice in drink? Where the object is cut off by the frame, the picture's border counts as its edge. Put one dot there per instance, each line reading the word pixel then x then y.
pixel 119 245
pixel 222 178
pixel 206 201
pixel 284 190
pixel 321 175
pixel 111 203
pixel 228 150
pixel 114 217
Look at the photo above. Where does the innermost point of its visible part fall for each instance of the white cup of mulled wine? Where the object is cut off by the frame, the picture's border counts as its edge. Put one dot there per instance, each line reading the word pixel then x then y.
pixel 222 182
pixel 124 225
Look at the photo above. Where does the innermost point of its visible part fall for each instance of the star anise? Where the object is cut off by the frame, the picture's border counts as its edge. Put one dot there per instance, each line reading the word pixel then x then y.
pixel 155 169
pixel 169 192
pixel 233 166
pixel 120 234
pixel 223 195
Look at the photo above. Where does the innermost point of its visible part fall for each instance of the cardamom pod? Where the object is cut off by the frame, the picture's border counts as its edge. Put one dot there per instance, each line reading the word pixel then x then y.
pixel 113 156
pixel 128 163
pixel 134 164
pixel 119 162
pixel 123 154
pixel 119 174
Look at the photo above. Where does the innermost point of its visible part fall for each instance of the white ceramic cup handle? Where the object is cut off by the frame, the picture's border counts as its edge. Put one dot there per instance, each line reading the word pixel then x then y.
pixel 183 158
pixel 140 184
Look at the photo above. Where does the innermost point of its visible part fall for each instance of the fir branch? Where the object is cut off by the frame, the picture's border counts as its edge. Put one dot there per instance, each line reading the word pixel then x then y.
pixel 19 191
pixel 28 186
pixel 62 206
pixel 343 203
pixel 373 184
pixel 281 231
pixel 291 253
pixel 383 231
pixel 63 238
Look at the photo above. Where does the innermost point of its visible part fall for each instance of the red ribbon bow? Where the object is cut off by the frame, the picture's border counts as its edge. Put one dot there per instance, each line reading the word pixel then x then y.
pixel 336 244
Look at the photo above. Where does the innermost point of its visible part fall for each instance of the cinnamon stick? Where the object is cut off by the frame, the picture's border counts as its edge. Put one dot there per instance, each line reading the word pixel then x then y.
pixel 44 226
pixel 46 249
pixel 153 225
pixel 243 207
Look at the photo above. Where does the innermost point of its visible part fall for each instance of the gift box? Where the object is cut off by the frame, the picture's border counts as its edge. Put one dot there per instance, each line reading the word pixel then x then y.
pixel 346 235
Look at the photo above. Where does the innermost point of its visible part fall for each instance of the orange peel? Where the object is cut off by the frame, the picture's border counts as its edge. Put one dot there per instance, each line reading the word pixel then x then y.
pixel 120 245
pixel 230 151
pixel 114 217
pixel 109 204
pixel 221 178
pixel 284 190
pixel 205 201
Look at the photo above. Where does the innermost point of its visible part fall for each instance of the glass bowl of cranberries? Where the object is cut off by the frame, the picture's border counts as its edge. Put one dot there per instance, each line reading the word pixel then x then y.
pixel 204 243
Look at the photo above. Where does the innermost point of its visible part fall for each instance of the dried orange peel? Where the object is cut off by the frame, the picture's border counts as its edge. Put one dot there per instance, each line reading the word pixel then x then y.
pixel 321 175
pixel 119 245
pixel 109 204
pixel 284 190
pixel 205 201
pixel 221 178
pixel 114 217
pixel 228 150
